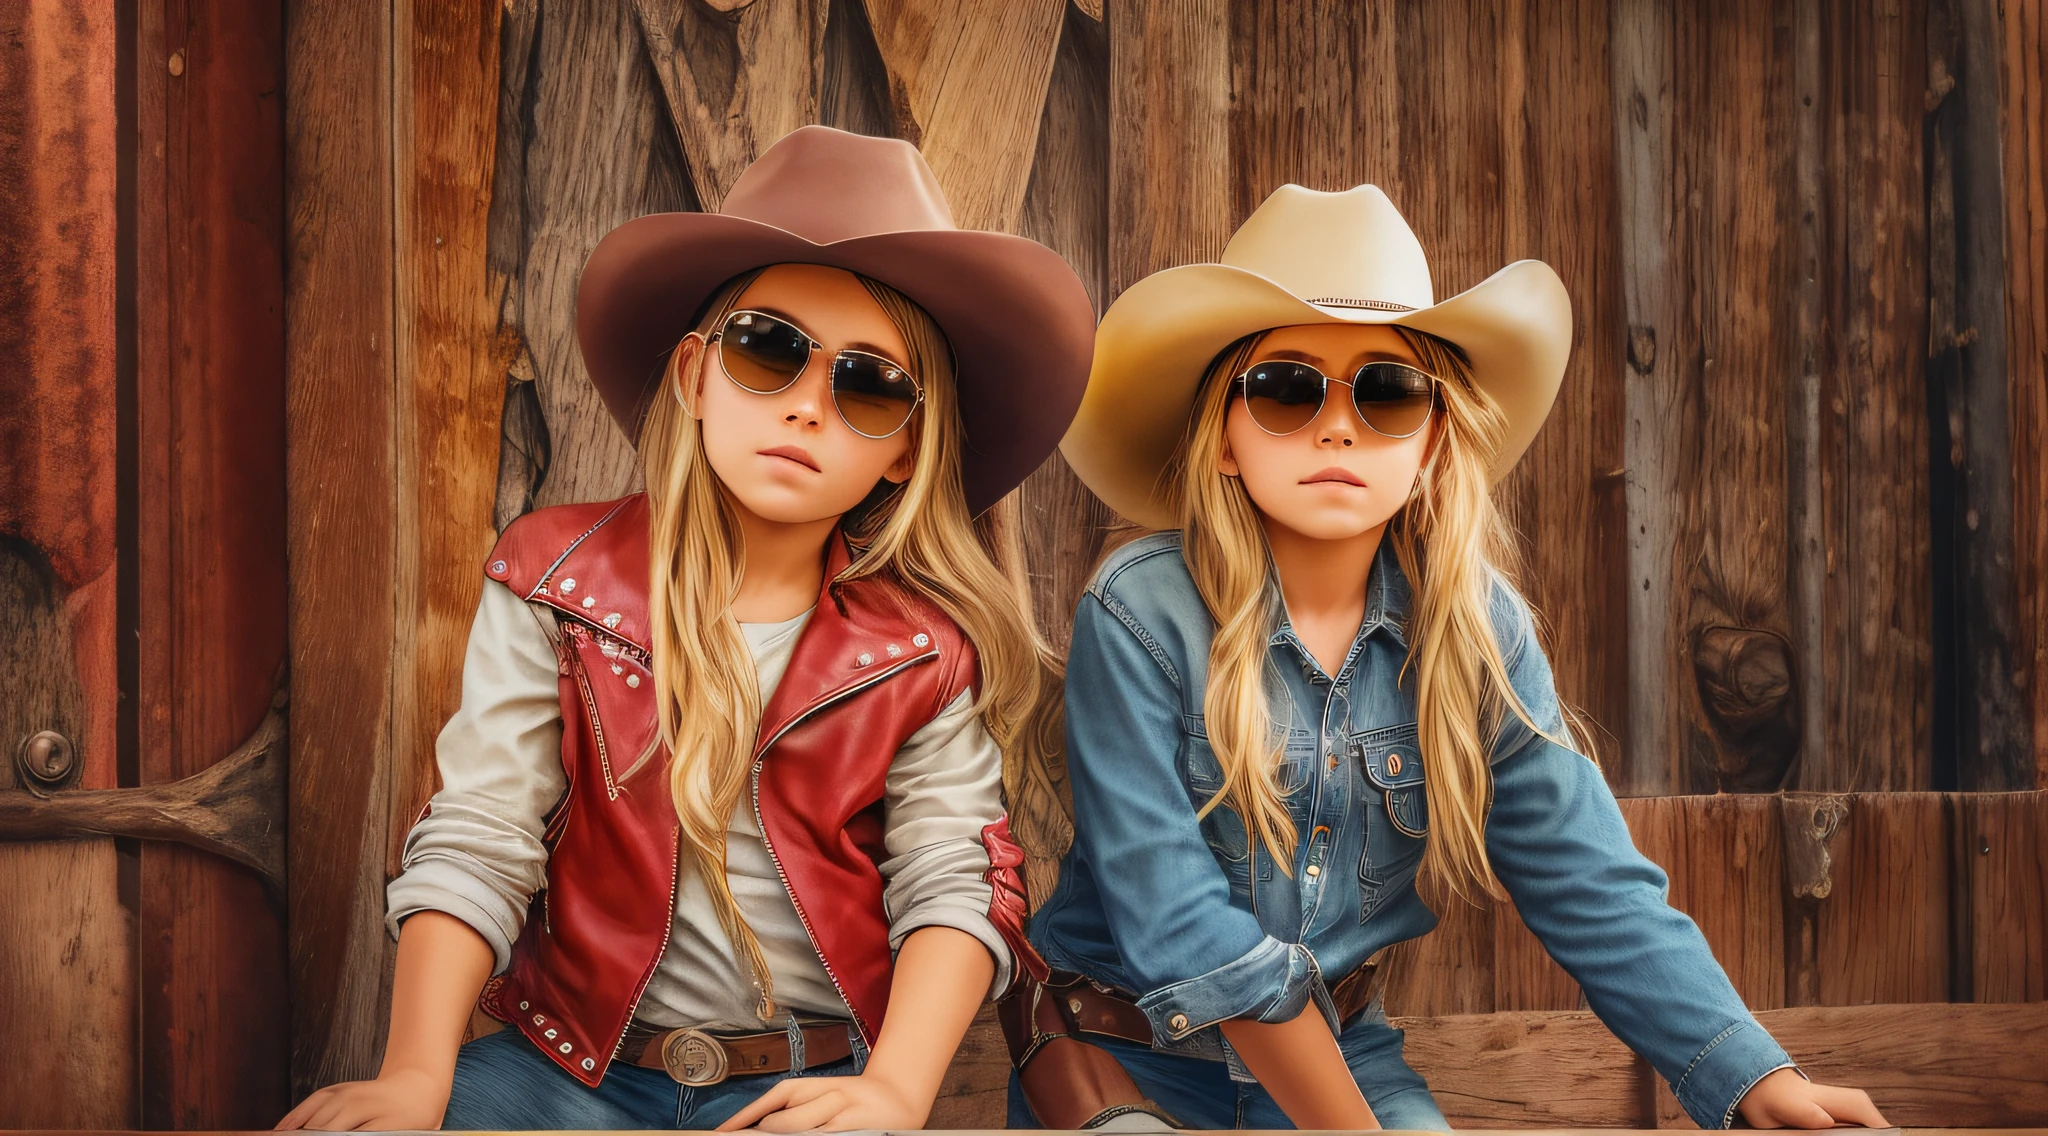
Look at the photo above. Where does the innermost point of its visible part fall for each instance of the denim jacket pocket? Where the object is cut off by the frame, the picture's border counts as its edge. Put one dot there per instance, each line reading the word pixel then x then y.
pixel 1223 828
pixel 1392 761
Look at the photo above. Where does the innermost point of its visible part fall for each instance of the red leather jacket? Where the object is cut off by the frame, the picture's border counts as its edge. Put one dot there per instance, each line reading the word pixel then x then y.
pixel 874 663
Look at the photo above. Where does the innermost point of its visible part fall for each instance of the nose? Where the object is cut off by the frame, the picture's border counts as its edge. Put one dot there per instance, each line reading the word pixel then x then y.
pixel 1338 425
pixel 808 395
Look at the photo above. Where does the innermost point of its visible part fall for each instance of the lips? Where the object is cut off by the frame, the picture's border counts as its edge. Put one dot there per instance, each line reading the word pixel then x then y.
pixel 797 454
pixel 1334 473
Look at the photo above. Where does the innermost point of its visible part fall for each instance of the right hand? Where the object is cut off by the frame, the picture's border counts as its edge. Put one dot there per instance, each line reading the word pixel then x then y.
pixel 401 1099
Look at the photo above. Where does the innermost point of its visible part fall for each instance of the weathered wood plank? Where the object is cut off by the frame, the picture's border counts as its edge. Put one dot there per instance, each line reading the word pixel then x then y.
pixel 1448 971
pixel 967 85
pixel 1725 857
pixel 599 151
pixel 1882 931
pixel 340 384
pixel 67 949
pixel 2003 847
pixel 976 1090
pixel 735 80
pixel 1980 711
pixel 2023 85
pixel 1169 102
pixel 210 549
pixel 1961 1065
pixel 454 357
pixel 1877 624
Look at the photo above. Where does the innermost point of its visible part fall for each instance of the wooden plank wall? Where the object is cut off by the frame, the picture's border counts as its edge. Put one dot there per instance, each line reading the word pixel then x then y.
pixel 1728 522
pixel 67 955
pixel 208 538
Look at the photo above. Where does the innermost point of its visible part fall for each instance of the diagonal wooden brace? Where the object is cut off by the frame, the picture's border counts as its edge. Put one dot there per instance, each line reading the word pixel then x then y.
pixel 234 808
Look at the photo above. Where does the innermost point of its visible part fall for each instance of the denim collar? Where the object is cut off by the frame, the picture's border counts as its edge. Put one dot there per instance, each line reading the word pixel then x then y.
pixel 1386 607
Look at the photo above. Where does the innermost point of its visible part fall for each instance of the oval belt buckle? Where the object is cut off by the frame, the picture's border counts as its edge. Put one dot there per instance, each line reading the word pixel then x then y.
pixel 693 1057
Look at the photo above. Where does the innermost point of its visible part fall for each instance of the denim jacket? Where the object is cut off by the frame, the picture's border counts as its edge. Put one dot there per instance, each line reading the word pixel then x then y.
pixel 1191 917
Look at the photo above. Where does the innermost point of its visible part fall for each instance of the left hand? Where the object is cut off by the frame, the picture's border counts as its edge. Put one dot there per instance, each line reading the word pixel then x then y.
pixel 1784 1099
pixel 835 1104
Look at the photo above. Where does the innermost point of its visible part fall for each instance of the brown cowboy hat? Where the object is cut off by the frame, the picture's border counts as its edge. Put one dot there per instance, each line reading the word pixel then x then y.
pixel 1020 323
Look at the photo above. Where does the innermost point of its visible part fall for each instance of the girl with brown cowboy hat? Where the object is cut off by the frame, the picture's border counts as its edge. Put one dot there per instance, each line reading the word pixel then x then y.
pixel 1320 687
pixel 721 835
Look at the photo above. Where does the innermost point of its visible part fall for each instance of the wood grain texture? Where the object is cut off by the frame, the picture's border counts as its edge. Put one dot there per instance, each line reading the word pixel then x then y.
pixel 67 949
pixel 1725 857
pixel 340 387
pixel 599 151
pixel 2023 87
pixel 453 362
pixel 1169 103
pixel 967 85
pixel 975 1093
pixel 1875 427
pixel 1448 971
pixel 210 547
pixel 1981 716
pixel 736 81
pixel 1923 1065
pixel 2003 848
pixel 1882 931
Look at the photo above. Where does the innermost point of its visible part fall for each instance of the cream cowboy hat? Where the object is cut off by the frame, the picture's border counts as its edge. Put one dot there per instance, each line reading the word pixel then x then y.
pixel 1303 257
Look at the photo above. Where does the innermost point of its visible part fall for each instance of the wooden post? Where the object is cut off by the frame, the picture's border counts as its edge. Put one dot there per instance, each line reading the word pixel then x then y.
pixel 67 950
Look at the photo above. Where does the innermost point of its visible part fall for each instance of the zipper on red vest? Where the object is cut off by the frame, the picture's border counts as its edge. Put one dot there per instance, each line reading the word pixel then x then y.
pixel 754 791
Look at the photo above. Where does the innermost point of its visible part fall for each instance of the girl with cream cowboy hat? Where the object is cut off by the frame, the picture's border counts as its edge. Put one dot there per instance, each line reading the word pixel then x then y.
pixel 1318 688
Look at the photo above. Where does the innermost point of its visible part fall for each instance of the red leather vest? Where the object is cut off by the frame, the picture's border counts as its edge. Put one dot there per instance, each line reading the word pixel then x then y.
pixel 874 663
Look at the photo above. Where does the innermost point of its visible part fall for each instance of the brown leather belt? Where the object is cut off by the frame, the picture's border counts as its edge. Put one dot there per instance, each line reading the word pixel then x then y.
pixel 699 1057
pixel 1094 1009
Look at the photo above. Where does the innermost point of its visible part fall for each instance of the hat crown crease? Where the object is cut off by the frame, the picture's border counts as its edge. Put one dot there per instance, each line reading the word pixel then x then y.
pixel 877 185
pixel 1344 250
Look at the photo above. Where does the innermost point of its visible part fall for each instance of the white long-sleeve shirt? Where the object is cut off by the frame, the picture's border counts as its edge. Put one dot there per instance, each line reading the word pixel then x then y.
pixel 478 855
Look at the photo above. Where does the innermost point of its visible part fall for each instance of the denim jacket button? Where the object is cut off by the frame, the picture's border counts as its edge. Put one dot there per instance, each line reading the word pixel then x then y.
pixel 1178 1021
pixel 1313 871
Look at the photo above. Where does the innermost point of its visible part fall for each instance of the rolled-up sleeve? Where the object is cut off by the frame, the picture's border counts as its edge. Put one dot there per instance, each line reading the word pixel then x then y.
pixel 1559 845
pixel 477 854
pixel 1200 958
pixel 944 787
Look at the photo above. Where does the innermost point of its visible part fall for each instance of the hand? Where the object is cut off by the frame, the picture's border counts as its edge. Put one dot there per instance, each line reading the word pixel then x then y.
pixel 1784 1099
pixel 401 1099
pixel 835 1104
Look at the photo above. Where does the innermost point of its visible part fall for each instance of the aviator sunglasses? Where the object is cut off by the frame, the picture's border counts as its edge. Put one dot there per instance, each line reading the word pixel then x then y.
pixel 765 354
pixel 1393 399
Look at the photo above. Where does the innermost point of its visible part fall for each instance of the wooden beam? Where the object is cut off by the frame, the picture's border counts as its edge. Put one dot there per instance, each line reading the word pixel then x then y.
pixel 967 84
pixel 736 77
pixel 341 389
pixel 1169 140
pixel 67 949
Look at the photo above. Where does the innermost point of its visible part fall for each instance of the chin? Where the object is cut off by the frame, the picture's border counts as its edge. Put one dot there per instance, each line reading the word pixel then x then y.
pixel 1332 524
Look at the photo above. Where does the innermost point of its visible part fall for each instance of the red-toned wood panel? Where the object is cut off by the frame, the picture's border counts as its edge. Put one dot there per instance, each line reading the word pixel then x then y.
pixel 210 564
pixel 67 979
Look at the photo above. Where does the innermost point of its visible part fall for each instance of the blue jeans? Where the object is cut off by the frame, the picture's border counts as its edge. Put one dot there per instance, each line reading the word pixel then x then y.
pixel 1200 1094
pixel 504 1083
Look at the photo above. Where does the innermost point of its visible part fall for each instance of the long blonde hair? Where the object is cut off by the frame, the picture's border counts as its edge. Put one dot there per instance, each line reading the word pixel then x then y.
pixel 919 534
pixel 1452 544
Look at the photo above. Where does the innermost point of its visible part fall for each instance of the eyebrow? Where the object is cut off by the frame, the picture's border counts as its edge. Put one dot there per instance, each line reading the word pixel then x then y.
pixel 1357 361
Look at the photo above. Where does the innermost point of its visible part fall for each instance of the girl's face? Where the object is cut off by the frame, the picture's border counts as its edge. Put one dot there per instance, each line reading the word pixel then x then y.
pixel 1336 477
pixel 788 457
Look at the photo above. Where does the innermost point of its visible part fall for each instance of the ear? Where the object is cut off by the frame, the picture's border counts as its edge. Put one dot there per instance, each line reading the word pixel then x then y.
pixel 689 373
pixel 899 471
pixel 1226 459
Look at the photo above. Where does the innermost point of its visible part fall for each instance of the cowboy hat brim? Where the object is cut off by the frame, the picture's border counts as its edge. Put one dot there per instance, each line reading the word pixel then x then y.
pixel 1018 319
pixel 1159 338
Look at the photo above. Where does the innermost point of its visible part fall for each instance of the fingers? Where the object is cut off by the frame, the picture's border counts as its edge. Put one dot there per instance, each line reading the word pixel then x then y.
pixel 804 1117
pixel 296 1118
pixel 1849 1106
pixel 781 1096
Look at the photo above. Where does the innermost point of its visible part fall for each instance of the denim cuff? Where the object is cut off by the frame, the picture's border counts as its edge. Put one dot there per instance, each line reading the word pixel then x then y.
pixel 1731 1064
pixel 1269 983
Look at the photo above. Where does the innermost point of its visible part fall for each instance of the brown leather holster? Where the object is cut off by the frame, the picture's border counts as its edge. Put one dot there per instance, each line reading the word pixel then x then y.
pixel 1069 1081
pixel 1072 1083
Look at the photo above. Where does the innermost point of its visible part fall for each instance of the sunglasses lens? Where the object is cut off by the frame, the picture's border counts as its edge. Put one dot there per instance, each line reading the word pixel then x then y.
pixel 1392 399
pixel 874 396
pixel 762 353
pixel 1283 397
